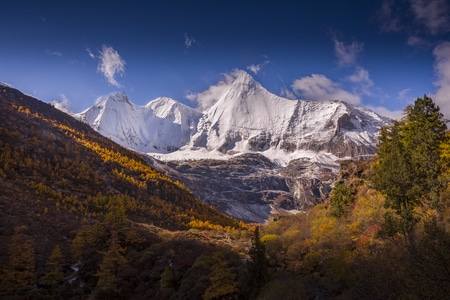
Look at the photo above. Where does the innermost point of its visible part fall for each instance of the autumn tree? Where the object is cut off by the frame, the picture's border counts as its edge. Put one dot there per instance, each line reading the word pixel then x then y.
pixel 107 285
pixel 21 268
pixel 54 274
pixel 223 281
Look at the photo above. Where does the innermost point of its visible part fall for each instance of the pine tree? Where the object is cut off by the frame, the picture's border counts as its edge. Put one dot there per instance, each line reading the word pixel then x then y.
pixel 409 166
pixel 424 132
pixel 54 274
pixel 107 285
pixel 257 265
pixel 20 271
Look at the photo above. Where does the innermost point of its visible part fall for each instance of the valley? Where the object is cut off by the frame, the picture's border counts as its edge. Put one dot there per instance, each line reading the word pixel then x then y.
pixel 83 217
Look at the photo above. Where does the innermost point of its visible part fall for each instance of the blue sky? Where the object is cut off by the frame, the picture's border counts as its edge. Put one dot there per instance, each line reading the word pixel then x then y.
pixel 377 54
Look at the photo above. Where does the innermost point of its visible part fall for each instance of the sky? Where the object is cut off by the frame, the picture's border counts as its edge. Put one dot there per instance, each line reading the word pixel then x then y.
pixel 381 55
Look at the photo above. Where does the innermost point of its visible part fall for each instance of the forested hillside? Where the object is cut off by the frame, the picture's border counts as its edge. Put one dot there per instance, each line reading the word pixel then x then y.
pixel 71 199
pixel 385 231
pixel 81 217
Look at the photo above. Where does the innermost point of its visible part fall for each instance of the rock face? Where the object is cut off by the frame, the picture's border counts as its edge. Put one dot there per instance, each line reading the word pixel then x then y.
pixel 250 187
pixel 250 154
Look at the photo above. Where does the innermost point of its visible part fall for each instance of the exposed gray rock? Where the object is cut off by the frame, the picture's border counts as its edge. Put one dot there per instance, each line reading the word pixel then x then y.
pixel 250 187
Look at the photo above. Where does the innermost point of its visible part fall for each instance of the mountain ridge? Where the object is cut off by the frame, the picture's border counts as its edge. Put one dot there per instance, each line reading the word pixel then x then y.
pixel 305 141
pixel 246 118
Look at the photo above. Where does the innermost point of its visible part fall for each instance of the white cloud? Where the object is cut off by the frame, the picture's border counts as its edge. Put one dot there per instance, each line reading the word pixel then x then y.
pixel 361 76
pixel 319 87
pixel 416 41
pixel 111 64
pixel 346 54
pixel 55 53
pixel 62 104
pixel 91 55
pixel 188 41
pixel 388 17
pixel 434 14
pixel 209 97
pixel 256 68
pixel 442 70
pixel 396 114
pixel 404 96
pixel 287 93
pixel 362 82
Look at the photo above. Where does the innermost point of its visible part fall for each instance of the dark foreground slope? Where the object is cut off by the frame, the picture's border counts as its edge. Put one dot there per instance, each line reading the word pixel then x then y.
pixel 63 186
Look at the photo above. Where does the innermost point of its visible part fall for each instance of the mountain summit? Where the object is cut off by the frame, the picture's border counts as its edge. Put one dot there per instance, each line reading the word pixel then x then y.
pixel 250 154
pixel 161 126
pixel 246 118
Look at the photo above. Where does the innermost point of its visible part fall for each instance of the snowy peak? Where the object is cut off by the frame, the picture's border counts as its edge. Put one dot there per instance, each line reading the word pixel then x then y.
pixel 114 100
pixel 163 125
pixel 246 118
pixel 243 89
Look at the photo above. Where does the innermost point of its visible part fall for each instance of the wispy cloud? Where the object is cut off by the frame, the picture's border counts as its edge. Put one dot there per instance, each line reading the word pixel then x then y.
pixel 421 20
pixel 404 96
pixel 209 97
pixel 346 54
pixel 434 14
pixel 189 41
pixel 396 114
pixel 362 81
pixel 389 19
pixel 111 64
pixel 287 93
pixel 361 76
pixel 89 52
pixel 415 41
pixel 442 70
pixel 255 69
pixel 319 87
pixel 54 53
pixel 62 104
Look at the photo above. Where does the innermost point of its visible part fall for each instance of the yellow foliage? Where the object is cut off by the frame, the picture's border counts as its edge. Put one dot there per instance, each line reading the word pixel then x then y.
pixel 368 210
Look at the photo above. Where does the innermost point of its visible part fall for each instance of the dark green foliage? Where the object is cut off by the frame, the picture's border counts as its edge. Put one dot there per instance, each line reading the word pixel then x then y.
pixel 424 132
pixel 341 196
pixel 257 267
pixel 408 167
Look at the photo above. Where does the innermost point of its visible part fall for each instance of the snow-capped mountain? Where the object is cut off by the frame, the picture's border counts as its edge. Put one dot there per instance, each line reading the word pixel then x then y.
pixel 276 154
pixel 162 126
pixel 246 118
pixel 249 118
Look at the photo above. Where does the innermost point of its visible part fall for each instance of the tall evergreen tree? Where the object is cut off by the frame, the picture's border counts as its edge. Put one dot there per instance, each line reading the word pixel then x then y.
pixel 107 285
pixel 20 271
pixel 257 266
pixel 54 274
pixel 424 132
pixel 408 165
